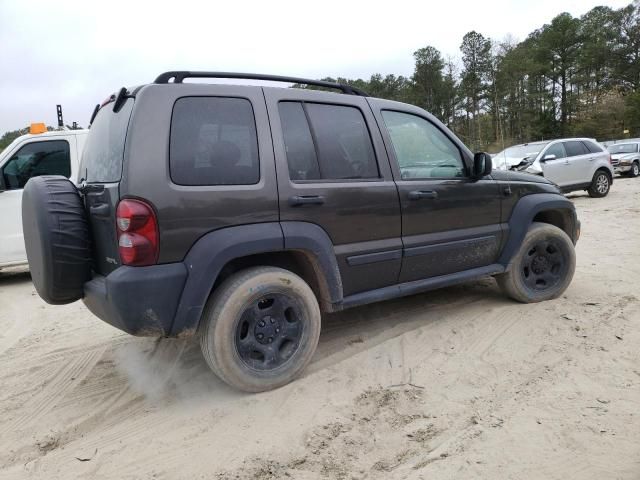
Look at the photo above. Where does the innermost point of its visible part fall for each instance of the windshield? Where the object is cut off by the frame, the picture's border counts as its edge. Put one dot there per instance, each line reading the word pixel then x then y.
pixel 104 150
pixel 623 148
pixel 522 151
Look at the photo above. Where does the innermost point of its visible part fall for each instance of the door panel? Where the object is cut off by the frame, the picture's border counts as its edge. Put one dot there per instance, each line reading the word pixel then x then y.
pixel 11 240
pixel 558 169
pixel 578 162
pixel 458 230
pixel 450 222
pixel 361 215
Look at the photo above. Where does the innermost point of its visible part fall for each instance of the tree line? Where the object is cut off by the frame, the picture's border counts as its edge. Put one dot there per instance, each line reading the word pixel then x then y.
pixel 575 76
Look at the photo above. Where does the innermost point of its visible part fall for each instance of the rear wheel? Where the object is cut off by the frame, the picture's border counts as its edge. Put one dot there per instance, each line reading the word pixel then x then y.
pixel 260 328
pixel 543 267
pixel 600 185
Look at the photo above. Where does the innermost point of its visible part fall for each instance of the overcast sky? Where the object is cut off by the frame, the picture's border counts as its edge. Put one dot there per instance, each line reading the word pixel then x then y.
pixel 77 53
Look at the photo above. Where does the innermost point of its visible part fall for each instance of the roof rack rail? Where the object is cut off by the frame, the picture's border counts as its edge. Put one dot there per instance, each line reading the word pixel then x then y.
pixel 179 76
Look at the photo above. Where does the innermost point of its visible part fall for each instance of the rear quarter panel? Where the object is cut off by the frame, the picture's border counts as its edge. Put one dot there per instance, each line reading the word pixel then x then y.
pixel 186 213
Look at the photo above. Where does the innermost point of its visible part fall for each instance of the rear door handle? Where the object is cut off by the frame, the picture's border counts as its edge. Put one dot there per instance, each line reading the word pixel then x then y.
pixel 298 200
pixel 419 194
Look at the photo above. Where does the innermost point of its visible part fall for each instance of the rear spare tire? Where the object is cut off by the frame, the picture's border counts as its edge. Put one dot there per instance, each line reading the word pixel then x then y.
pixel 56 237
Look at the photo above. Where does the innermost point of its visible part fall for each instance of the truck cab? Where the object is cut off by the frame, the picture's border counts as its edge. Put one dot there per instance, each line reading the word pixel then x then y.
pixel 40 152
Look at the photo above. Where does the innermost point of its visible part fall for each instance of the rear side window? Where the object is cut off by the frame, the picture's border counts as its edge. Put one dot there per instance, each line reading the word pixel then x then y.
pixel 592 147
pixel 35 159
pixel 104 150
pixel 213 142
pixel 327 142
pixel 575 148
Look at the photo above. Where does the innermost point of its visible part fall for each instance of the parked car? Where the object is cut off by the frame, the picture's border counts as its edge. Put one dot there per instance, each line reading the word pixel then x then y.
pixel 31 155
pixel 571 163
pixel 238 213
pixel 625 158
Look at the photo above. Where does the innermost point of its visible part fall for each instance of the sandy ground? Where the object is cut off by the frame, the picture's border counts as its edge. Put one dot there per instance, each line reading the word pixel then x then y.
pixel 458 383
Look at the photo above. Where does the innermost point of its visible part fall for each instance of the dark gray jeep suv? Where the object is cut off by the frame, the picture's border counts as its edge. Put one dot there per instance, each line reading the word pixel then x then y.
pixel 238 214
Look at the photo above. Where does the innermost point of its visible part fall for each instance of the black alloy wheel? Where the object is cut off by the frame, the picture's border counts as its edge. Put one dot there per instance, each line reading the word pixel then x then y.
pixel 544 265
pixel 269 331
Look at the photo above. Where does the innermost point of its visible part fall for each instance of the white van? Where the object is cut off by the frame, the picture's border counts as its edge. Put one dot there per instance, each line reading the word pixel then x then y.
pixel 31 155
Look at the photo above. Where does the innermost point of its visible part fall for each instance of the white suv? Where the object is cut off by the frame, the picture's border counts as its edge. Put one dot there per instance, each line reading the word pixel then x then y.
pixel 31 155
pixel 571 163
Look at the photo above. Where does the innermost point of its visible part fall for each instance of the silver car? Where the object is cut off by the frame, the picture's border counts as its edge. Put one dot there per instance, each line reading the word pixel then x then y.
pixel 571 163
pixel 625 158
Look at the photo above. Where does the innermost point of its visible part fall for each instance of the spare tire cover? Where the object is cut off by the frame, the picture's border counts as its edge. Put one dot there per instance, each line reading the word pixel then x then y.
pixel 56 237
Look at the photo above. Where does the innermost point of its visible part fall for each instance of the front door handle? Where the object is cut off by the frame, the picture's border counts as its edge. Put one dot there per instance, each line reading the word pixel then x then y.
pixel 298 200
pixel 419 194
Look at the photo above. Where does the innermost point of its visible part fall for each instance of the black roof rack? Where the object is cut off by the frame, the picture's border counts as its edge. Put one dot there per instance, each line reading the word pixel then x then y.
pixel 179 76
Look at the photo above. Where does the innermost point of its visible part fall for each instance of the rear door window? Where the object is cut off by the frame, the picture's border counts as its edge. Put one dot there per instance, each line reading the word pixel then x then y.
pixel 301 153
pixel 35 159
pixel 327 142
pixel 575 148
pixel 213 142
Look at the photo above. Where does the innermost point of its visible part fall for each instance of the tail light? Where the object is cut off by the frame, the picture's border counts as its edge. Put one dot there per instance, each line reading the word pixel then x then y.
pixel 137 233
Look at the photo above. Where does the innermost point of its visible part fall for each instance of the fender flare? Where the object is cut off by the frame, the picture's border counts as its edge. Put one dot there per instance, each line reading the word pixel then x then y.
pixel 522 217
pixel 214 250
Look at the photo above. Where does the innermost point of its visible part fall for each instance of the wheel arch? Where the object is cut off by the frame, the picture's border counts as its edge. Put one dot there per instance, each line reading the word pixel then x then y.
pixel 605 170
pixel 301 247
pixel 548 208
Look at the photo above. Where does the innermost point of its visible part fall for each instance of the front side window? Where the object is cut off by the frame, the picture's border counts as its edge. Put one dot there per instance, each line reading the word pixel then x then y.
pixel 326 142
pixel 575 148
pixel 556 149
pixel 213 142
pixel 422 150
pixel 35 159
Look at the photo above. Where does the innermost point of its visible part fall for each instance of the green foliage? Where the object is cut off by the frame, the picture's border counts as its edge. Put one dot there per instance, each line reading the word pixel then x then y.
pixel 9 137
pixel 572 76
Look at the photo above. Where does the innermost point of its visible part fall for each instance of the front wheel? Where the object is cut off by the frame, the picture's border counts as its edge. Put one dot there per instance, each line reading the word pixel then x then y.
pixel 635 170
pixel 600 185
pixel 543 267
pixel 260 328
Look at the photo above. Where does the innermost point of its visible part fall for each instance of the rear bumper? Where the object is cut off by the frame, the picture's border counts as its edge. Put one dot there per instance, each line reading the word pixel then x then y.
pixel 138 300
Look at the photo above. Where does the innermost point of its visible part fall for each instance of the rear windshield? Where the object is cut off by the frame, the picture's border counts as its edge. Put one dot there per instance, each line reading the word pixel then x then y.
pixel 104 149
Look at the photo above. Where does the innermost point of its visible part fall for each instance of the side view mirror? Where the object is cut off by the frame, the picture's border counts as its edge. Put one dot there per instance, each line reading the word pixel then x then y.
pixel 551 156
pixel 482 165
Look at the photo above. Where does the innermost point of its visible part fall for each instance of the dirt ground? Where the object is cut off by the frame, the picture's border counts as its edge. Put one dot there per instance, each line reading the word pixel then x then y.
pixel 457 383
